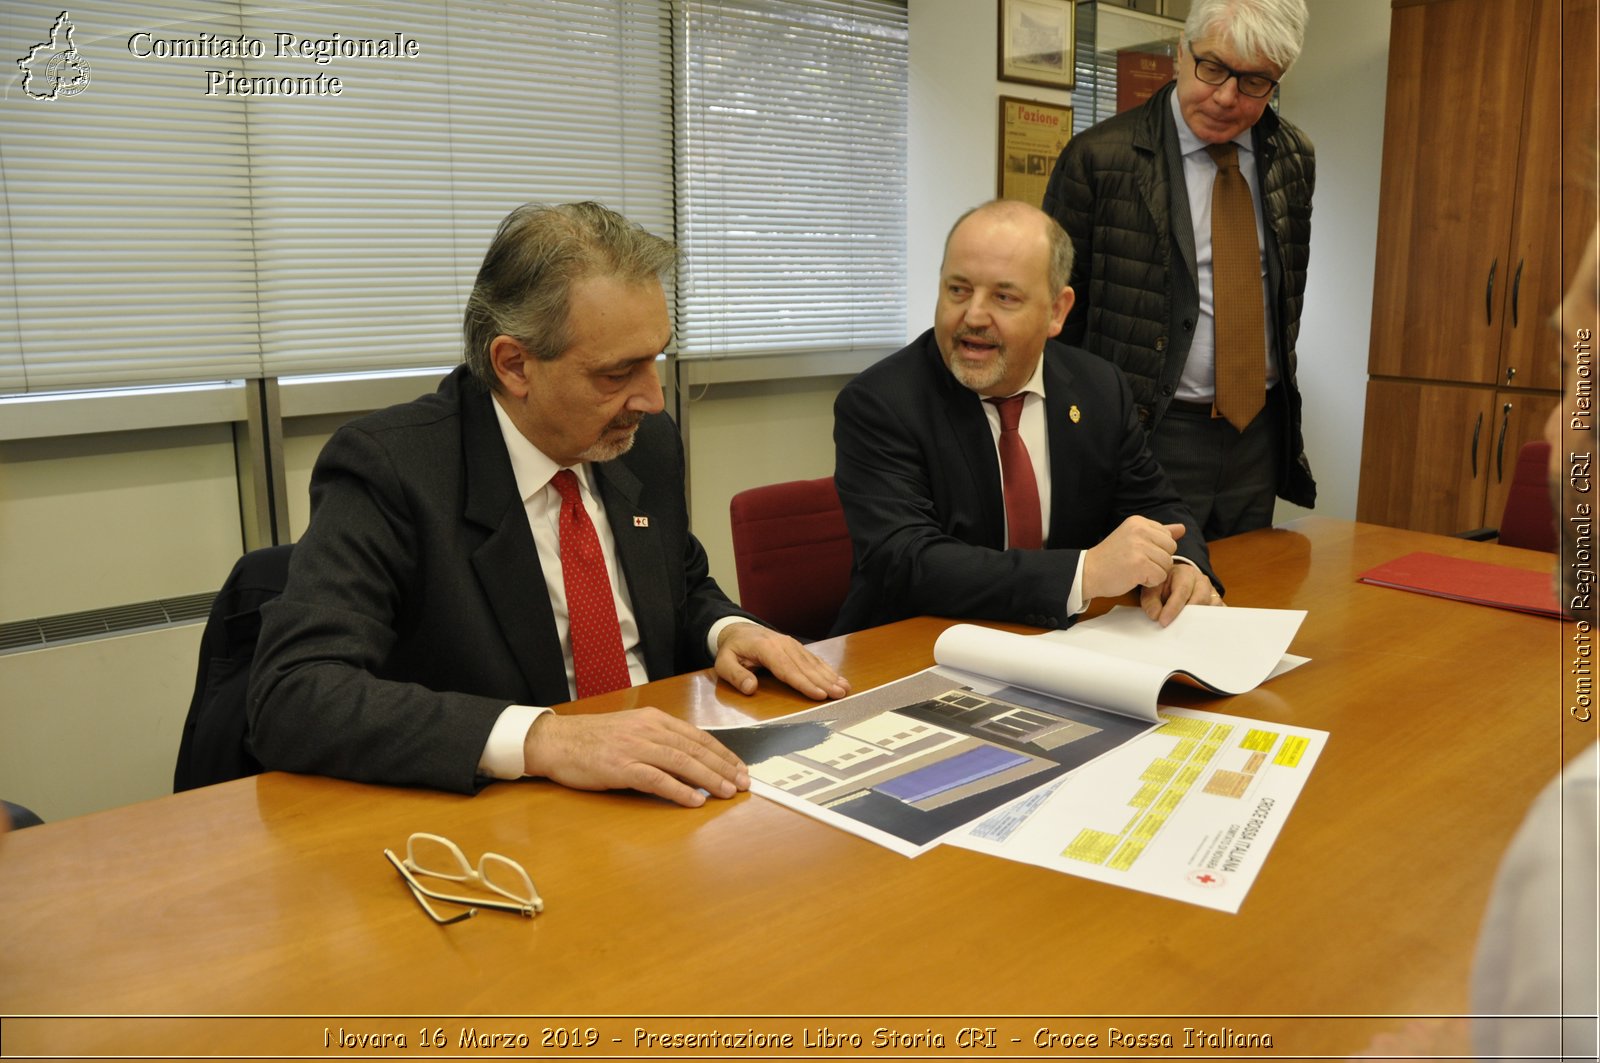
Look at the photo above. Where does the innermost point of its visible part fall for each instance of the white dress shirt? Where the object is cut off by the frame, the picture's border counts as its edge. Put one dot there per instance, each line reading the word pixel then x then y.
pixel 503 753
pixel 1035 436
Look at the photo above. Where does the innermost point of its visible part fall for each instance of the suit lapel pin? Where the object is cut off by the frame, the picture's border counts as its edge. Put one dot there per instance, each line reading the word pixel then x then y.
pixel 1074 414
pixel 641 522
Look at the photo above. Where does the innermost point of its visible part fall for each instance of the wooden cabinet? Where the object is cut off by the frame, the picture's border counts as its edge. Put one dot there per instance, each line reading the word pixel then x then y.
pixel 1519 418
pixel 1457 72
pixel 1422 455
pixel 1485 203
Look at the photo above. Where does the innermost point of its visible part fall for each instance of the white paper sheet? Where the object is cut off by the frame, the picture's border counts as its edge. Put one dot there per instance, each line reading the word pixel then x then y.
pixel 1189 810
pixel 1119 661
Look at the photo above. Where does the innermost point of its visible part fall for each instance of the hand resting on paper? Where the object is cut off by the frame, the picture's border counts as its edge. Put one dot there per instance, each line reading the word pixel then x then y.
pixel 645 749
pixel 1184 585
pixel 742 647
pixel 1141 553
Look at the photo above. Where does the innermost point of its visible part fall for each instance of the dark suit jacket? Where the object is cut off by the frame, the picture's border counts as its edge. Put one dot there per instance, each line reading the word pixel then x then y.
pixel 416 608
pixel 917 473
pixel 214 748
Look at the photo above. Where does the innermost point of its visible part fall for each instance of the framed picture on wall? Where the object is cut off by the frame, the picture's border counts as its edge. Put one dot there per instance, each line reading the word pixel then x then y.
pixel 1032 135
pixel 1036 42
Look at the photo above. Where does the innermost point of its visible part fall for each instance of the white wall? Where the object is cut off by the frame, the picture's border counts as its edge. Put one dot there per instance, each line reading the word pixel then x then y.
pixel 954 131
pixel 1336 94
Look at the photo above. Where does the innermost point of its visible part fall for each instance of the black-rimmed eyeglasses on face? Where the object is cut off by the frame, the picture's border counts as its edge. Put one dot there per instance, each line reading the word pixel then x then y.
pixel 1214 73
pixel 435 857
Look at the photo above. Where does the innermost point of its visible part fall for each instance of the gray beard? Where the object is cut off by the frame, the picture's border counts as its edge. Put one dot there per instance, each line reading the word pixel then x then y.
pixel 604 451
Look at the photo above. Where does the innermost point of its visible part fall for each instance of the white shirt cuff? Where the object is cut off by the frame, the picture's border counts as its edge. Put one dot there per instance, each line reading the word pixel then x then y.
pixel 1076 602
pixel 503 754
pixel 719 627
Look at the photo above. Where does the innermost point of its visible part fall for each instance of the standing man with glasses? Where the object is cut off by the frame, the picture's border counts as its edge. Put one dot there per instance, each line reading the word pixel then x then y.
pixel 1190 216
pixel 517 539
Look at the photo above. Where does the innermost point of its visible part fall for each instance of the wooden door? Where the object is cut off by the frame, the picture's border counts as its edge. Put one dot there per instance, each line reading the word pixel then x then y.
pixel 1457 76
pixel 1425 455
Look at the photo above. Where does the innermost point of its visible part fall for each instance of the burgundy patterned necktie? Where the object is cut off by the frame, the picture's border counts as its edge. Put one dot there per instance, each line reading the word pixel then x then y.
pixel 598 661
pixel 1241 345
pixel 1016 476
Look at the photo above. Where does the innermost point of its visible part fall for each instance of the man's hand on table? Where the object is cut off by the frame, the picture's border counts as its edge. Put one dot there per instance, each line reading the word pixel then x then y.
pixel 636 749
pixel 1142 553
pixel 741 647
pixel 1184 585
pixel 647 750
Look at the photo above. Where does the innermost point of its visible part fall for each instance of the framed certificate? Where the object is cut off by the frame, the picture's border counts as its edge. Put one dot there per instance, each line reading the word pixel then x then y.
pixel 1032 135
pixel 1036 42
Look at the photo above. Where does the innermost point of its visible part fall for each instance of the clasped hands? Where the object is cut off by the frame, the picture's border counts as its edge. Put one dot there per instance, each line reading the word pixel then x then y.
pixel 1141 553
pixel 645 749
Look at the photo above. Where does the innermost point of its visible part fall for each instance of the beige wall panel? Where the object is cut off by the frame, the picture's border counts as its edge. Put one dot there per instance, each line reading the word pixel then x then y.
pixel 97 520
pixel 746 435
pixel 94 725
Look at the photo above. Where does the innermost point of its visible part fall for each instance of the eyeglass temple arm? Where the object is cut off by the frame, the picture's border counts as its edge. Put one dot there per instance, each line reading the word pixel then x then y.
pixel 418 892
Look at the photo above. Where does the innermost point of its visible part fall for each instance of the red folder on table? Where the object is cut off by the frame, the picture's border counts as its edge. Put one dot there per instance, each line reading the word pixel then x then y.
pixel 1479 582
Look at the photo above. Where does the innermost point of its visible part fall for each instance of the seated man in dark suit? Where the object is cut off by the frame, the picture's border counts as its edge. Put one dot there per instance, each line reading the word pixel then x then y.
pixel 961 504
pixel 515 540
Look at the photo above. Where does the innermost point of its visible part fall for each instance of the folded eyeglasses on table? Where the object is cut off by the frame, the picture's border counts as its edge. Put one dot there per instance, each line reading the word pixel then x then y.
pixel 431 856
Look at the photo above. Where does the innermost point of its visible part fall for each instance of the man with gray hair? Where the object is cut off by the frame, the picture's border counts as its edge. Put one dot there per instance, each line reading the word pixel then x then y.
pixel 1191 219
pixel 517 539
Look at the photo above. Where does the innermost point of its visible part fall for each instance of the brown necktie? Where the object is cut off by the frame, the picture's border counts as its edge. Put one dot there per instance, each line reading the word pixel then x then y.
pixel 1016 477
pixel 599 664
pixel 1240 348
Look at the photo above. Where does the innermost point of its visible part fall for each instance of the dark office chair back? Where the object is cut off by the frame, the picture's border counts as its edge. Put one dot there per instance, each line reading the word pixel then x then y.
pixel 213 747
pixel 791 551
pixel 1529 521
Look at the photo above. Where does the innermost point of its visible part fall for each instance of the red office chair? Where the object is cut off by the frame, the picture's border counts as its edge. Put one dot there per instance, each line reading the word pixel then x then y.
pixel 1528 521
pixel 791 551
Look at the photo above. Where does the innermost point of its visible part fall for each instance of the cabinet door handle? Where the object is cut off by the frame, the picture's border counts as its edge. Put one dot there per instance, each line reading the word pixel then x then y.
pixel 1500 448
pixel 1488 294
pixel 1477 430
pixel 1516 292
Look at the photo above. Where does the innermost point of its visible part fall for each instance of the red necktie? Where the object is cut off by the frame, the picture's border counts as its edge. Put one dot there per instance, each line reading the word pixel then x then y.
pixel 1241 344
pixel 1016 476
pixel 598 662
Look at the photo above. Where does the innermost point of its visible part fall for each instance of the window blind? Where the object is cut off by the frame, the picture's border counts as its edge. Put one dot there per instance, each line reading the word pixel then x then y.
pixel 791 134
pixel 126 207
pixel 164 224
pixel 368 252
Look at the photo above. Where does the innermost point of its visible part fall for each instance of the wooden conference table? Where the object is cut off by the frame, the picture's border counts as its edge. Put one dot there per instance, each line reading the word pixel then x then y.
pixel 269 896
